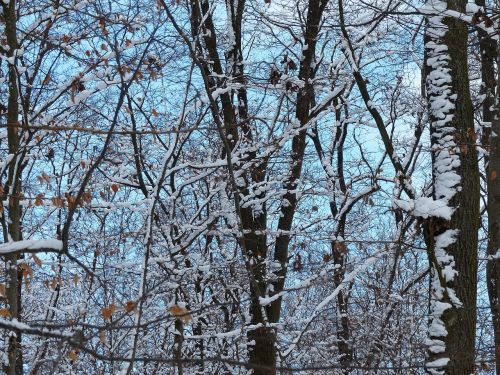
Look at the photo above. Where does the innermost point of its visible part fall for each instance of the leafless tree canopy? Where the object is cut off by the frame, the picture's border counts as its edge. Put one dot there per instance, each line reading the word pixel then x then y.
pixel 249 187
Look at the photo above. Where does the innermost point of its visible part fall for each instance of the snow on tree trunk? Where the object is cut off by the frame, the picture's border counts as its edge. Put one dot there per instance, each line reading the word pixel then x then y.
pixel 452 245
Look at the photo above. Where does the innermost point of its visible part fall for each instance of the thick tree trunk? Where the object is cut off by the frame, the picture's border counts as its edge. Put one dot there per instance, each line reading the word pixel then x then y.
pixel 452 245
pixel 254 240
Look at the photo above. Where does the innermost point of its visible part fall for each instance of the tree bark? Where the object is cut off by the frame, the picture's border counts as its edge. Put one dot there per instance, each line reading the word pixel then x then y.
pixel 452 245
pixel 490 141
pixel 12 191
pixel 491 113
pixel 339 251
pixel 262 350
pixel 305 99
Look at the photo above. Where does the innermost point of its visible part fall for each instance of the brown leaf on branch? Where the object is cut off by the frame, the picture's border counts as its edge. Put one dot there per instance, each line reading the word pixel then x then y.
pixel 39 199
pixel 73 355
pixel 102 336
pixel 130 305
pixel 102 23
pixel 47 79
pixel 37 260
pixel 27 273
pixel 58 202
pixel 181 312
pixel 108 311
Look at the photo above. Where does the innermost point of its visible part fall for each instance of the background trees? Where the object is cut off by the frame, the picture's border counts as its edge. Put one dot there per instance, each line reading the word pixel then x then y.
pixel 223 187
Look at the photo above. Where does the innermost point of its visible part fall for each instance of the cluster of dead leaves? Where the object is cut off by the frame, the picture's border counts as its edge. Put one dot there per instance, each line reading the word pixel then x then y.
pixel 27 273
pixel 178 311
pixel 58 281
pixel 43 178
pixel 108 311
pixel 69 200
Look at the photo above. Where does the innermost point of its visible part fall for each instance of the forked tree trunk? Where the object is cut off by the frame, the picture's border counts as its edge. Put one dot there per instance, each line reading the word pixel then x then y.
pixel 262 350
pixel 305 100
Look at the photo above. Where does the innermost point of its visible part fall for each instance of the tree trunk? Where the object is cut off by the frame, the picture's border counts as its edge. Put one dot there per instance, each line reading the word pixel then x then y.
pixel 262 350
pixel 488 52
pixel 178 340
pixel 12 191
pixel 490 141
pixel 305 99
pixel 493 265
pixel 452 244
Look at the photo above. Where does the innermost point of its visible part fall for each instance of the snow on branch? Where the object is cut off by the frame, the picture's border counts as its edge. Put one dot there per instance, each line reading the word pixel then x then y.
pixel 425 207
pixel 47 245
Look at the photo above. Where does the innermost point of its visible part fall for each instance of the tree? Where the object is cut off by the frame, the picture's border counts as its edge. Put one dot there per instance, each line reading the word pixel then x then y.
pixel 452 234
pixel 12 189
pixel 233 187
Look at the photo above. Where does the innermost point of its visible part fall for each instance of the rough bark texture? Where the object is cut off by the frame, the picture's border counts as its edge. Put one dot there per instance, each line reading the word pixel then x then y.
pixel 491 127
pixel 12 192
pixel 459 320
pixel 462 331
pixel 493 183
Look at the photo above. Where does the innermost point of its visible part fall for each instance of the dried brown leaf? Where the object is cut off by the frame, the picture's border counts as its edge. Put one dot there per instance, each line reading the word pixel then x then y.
pixel 73 355
pixel 4 313
pixel 181 312
pixel 130 305
pixel 493 175
pixel 102 336
pixel 37 260
pixel 108 311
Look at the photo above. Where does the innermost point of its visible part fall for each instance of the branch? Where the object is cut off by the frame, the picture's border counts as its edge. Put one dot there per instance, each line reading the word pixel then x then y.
pixel 31 246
